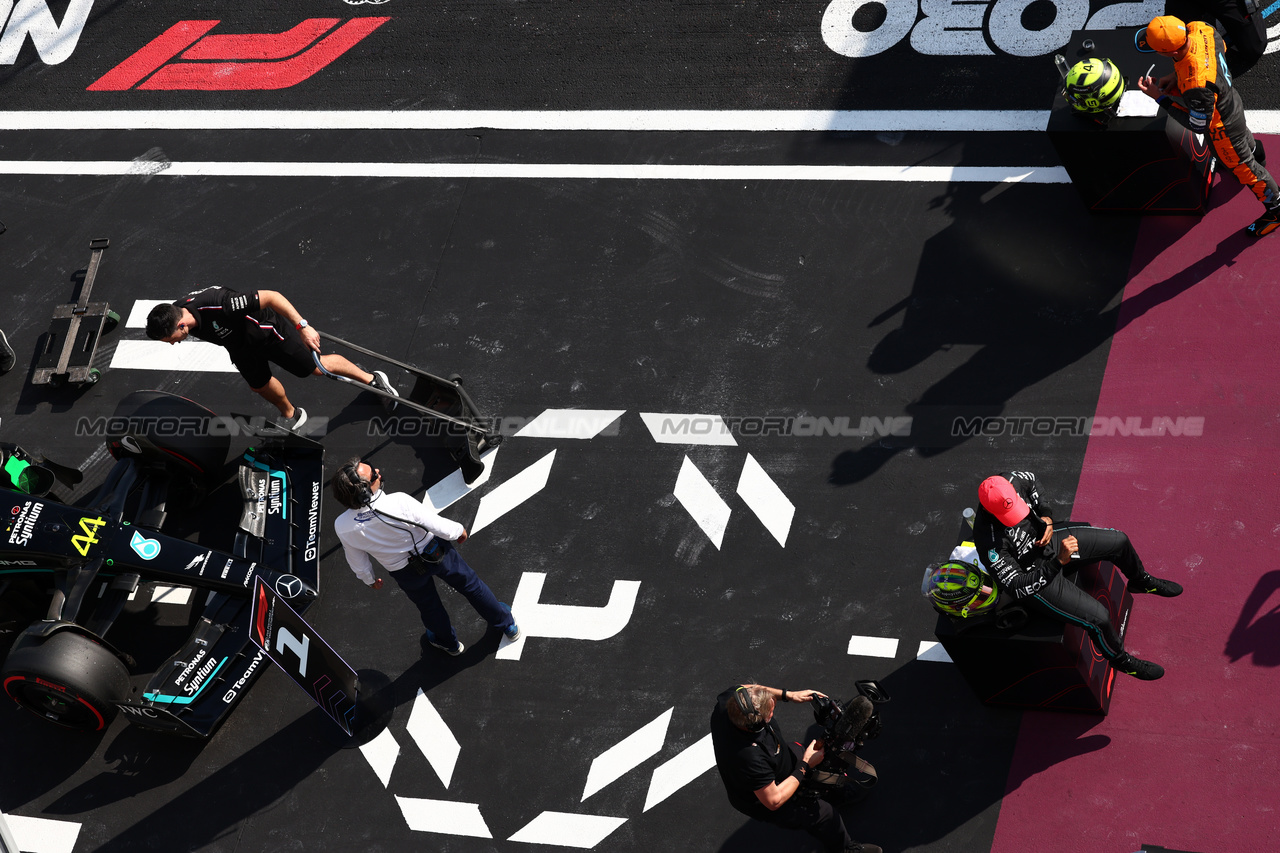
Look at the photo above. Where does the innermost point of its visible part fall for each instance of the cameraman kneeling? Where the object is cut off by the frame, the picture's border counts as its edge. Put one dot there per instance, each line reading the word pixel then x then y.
pixel 762 773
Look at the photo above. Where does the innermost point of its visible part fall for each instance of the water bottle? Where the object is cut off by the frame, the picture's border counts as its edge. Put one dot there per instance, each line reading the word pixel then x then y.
pixel 968 516
pixel 1061 61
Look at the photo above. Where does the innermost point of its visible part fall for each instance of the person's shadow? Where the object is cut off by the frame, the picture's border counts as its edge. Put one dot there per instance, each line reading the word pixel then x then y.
pixel 1030 318
pixel 1254 634
pixel 940 765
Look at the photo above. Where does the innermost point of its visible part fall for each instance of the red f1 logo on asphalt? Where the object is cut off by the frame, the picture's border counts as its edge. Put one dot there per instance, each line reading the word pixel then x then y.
pixel 235 62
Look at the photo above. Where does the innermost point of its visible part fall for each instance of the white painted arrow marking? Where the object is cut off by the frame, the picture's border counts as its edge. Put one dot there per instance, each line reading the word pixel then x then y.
pixel 566 621
pixel 933 652
pixel 680 771
pixel 581 424
pixel 444 817
pixel 583 831
pixel 700 500
pixel 688 429
pixel 41 835
pixel 509 495
pixel 432 735
pixel 381 753
pixel 627 754
pixel 766 500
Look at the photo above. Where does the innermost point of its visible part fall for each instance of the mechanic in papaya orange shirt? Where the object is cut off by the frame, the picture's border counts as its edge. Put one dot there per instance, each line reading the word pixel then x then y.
pixel 1199 96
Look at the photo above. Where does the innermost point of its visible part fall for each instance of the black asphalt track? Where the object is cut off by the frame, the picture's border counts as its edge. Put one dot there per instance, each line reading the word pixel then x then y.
pixel 744 299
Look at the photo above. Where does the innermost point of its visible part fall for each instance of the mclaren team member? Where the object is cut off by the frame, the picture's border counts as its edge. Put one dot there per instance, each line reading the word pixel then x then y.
pixel 415 547
pixel 256 327
pixel 1199 95
pixel 1241 22
pixel 761 772
pixel 1016 540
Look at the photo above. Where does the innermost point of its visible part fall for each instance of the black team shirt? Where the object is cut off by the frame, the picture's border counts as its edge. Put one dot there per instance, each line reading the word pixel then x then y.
pixel 748 762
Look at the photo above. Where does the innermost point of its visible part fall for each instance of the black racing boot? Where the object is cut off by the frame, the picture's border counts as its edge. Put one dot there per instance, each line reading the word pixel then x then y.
pixel 1137 667
pixel 1159 586
pixel 1266 223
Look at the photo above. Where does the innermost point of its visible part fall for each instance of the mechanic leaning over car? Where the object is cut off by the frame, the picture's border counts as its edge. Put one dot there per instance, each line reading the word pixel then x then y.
pixel 1016 540
pixel 414 545
pixel 256 327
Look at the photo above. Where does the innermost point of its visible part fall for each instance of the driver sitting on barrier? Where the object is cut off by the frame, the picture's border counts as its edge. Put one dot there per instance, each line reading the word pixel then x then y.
pixel 1016 540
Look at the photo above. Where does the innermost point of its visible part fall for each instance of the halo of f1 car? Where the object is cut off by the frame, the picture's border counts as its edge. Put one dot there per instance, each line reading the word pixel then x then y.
pixel 88 581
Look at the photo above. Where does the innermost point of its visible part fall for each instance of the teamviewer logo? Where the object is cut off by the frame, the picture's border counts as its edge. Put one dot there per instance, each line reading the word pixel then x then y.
pixel 186 57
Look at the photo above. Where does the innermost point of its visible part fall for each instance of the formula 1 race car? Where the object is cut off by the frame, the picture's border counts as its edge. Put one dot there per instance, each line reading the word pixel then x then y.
pixel 120 616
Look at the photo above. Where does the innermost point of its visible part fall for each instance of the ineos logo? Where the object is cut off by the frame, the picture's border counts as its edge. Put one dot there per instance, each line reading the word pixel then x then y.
pixel 288 586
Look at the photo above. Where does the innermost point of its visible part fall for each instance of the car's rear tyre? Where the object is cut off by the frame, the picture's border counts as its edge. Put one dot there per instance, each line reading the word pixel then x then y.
pixel 67 679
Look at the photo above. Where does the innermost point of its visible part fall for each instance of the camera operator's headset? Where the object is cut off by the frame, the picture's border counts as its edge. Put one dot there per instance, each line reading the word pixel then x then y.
pixel 364 497
pixel 749 712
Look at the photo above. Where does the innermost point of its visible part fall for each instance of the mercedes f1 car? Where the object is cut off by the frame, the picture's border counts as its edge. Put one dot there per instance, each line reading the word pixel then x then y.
pixel 91 583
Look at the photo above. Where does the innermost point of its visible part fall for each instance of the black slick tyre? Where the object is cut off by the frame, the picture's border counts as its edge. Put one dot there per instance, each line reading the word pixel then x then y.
pixel 67 679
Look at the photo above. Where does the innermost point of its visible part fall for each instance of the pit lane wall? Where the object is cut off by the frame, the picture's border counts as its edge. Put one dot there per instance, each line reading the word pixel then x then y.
pixel 810 54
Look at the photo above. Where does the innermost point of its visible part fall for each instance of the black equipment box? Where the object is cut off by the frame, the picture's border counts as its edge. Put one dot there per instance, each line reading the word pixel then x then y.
pixel 1046 664
pixel 1132 164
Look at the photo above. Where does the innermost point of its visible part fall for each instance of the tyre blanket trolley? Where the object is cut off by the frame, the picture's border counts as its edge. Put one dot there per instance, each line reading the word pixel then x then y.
pixel 445 400
pixel 74 333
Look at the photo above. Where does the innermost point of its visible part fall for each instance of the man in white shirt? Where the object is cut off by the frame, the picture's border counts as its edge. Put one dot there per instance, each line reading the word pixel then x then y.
pixel 414 545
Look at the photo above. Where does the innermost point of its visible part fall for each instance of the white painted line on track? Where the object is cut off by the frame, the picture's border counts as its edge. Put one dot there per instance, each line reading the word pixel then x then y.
pixel 454 487
pixel 161 594
pixel 688 429
pixel 541 171
pixel 873 647
pixel 432 735
pixel 511 493
pixel 762 495
pixel 381 753
pixel 930 651
pixel 980 121
pixel 581 424
pixel 137 318
pixel 700 500
pixel 444 817
pixel 680 771
pixel 627 753
pixel 41 835
pixel 562 829
pixel 190 356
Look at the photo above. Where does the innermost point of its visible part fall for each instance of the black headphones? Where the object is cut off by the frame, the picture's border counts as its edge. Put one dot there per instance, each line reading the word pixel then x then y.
pixel 749 713
pixel 363 488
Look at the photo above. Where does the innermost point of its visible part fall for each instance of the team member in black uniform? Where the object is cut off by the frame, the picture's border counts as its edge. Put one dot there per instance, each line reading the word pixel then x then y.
pixel 1016 540
pixel 761 772
pixel 256 327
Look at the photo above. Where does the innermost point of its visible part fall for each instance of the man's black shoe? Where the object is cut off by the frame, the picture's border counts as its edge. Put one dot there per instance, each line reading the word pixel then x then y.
pixel 296 422
pixel 862 848
pixel 1157 586
pixel 8 358
pixel 1138 668
pixel 1266 223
